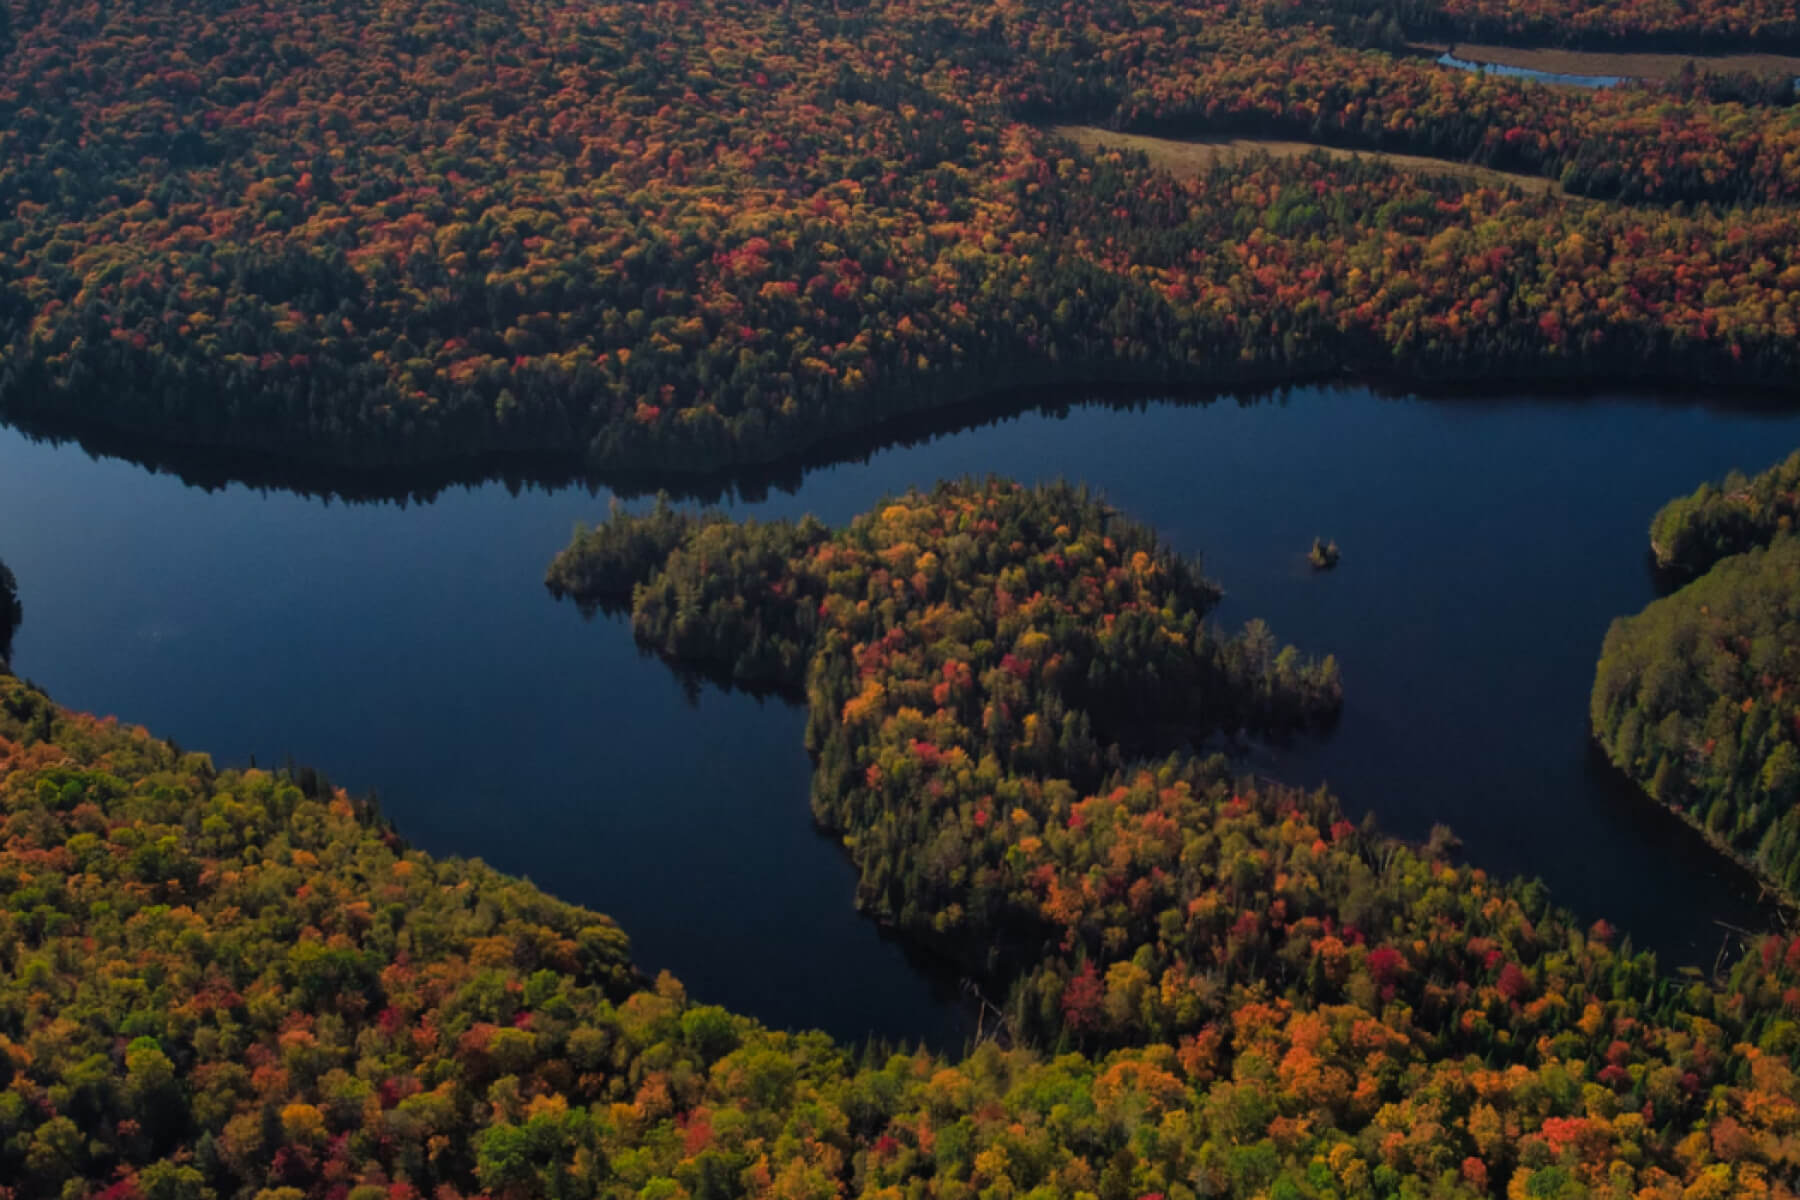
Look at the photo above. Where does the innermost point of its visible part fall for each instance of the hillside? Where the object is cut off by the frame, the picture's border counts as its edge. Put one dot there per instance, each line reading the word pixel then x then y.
pixel 675 235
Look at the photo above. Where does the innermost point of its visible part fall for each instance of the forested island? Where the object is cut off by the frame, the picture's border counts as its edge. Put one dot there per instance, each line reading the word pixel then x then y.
pixel 1697 698
pixel 975 660
pixel 675 235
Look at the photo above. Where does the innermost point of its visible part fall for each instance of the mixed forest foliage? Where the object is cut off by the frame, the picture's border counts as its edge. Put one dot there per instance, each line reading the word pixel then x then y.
pixel 679 233
pixel 224 983
pixel 1697 698
pixel 975 661
pixel 685 232
pixel 1691 533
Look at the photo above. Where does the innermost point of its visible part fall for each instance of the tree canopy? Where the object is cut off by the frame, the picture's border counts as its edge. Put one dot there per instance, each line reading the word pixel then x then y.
pixel 1694 698
pixel 685 233
pixel 1697 698
pixel 1691 533
pixel 975 660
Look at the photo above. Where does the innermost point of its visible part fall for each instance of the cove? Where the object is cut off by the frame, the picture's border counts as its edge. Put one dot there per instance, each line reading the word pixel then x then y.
pixel 411 650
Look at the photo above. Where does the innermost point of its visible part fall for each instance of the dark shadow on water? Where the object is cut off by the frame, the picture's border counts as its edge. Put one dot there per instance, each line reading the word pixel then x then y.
pixel 1663 580
pixel 1674 840
pixel 211 468
pixel 694 678
pixel 952 991
pixel 951 988
pixel 753 483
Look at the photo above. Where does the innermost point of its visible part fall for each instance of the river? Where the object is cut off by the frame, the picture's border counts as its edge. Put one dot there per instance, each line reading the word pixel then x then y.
pixel 411 650
pixel 1448 59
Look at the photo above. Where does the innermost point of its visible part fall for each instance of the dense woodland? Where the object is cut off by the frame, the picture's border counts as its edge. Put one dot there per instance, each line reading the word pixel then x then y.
pixel 1691 533
pixel 975 660
pixel 682 233
pixel 678 234
pixel 1697 698
pixel 232 983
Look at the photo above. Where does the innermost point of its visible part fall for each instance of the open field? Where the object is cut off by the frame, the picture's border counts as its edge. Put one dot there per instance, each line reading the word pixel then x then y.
pixel 1192 156
pixel 1635 66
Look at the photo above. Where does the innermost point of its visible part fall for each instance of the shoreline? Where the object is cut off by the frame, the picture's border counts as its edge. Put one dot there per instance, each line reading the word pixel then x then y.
pixel 982 396
pixel 1768 892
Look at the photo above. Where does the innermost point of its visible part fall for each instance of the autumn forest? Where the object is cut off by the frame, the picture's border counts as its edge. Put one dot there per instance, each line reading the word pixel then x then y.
pixel 1208 984
pixel 653 243
pixel 681 234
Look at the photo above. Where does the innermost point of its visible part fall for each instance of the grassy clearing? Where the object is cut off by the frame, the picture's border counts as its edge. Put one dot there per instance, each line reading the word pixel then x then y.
pixel 1192 157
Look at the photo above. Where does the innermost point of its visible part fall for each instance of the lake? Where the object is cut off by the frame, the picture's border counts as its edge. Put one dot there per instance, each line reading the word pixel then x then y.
pixel 411 650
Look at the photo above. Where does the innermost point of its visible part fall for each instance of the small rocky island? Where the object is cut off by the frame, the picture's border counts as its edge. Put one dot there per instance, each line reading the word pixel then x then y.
pixel 1323 555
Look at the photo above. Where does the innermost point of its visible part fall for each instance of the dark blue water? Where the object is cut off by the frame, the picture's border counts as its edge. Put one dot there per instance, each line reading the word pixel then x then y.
pixel 413 651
